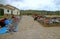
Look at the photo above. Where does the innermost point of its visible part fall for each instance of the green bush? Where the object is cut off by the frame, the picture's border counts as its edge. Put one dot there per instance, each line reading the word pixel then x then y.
pixel 1 16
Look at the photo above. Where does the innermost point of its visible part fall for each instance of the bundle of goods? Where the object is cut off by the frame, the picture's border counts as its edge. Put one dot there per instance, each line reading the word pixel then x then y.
pixel 51 21
pixel 47 21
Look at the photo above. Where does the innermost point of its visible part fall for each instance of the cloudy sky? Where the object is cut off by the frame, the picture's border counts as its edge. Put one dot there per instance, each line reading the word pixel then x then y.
pixel 50 5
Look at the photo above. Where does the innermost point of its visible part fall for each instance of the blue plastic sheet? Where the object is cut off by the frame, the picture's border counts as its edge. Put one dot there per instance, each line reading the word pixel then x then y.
pixel 3 30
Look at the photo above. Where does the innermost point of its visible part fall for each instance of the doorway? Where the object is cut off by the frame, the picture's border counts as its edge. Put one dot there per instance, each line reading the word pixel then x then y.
pixel 1 12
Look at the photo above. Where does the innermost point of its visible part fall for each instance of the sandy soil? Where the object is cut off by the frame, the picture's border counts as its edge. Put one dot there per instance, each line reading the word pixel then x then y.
pixel 30 29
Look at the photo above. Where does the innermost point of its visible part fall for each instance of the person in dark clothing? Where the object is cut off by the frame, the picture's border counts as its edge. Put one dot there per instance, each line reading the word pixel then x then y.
pixel 13 16
pixel 36 18
pixel 2 24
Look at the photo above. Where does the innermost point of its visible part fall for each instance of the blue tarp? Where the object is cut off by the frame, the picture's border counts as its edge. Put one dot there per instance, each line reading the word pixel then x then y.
pixel 3 30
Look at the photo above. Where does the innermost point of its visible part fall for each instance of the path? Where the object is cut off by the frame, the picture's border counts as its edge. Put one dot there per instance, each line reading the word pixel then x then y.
pixel 30 29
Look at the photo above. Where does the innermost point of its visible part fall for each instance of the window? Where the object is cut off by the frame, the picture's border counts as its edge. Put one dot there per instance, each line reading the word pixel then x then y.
pixel 11 12
pixel 7 10
pixel 17 13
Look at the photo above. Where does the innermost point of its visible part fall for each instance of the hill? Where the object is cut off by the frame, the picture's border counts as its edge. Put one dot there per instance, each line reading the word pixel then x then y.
pixel 40 12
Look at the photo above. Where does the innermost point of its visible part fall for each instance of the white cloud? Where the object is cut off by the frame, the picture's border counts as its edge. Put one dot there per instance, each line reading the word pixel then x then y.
pixel 35 4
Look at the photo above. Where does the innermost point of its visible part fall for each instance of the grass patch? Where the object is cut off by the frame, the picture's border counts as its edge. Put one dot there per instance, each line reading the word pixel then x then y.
pixel 1 16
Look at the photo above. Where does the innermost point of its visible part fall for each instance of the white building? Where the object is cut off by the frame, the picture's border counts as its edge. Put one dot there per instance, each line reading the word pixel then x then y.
pixel 8 9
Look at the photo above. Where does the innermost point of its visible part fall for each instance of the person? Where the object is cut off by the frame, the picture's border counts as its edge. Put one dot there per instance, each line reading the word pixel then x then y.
pixel 36 17
pixel 8 25
pixel 13 16
pixel 2 24
pixel 11 27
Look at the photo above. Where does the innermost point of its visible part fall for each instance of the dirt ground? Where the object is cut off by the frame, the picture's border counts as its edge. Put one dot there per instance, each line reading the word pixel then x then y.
pixel 30 29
